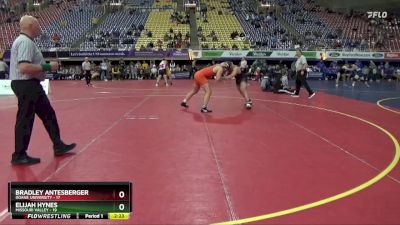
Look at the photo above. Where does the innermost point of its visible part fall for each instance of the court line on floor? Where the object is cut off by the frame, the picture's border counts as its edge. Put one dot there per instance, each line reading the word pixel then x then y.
pixel 70 159
pixel 81 99
pixel 121 118
pixel 347 193
pixel 228 196
pixel 332 144
pixel 327 200
pixel 386 108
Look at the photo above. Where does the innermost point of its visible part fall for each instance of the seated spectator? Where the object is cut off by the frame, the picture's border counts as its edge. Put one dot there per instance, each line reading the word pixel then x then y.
pixel 159 42
pixel 141 27
pixel 170 44
pixel 153 72
pixel 166 37
pixel 56 37
pixel 116 72
pixel 150 45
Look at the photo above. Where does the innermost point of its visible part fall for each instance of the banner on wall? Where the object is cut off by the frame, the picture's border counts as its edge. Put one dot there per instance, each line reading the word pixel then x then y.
pixel 5 87
pixel 354 55
pixel 292 54
pixel 234 54
pixel 392 55
pixel 259 54
pixel 178 54
pixel 256 54
pixel 195 54
pixel 211 53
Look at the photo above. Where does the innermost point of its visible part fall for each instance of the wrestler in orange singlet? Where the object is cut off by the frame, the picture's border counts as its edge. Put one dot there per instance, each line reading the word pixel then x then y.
pixel 201 81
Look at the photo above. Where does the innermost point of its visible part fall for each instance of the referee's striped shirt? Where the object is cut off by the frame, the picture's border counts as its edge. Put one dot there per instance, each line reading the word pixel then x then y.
pixel 24 50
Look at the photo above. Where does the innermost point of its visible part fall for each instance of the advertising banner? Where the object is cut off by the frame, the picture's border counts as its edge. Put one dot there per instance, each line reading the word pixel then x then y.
pixel 5 87
pixel 354 55
pixel 392 55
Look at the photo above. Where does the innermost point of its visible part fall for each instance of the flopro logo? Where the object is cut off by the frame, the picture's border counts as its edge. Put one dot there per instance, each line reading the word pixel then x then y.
pixel 380 15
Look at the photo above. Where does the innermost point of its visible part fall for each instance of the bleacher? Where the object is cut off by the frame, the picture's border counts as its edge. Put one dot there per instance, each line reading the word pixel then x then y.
pixel 159 23
pixel 165 4
pixel 45 16
pixel 7 7
pixel 139 3
pixel 71 25
pixel 271 34
pixel 220 20
pixel 318 27
pixel 120 23
pixel 316 32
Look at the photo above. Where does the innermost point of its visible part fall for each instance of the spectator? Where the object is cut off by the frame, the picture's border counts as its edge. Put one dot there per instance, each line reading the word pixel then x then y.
pixel 86 67
pixel 3 69
pixel 172 66
pixel 116 72
pixel 104 70
pixel 134 71
pixel 153 71
pixel 56 37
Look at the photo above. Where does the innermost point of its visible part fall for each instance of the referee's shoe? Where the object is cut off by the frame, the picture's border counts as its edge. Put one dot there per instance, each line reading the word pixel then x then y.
pixel 59 150
pixel 63 148
pixel 24 159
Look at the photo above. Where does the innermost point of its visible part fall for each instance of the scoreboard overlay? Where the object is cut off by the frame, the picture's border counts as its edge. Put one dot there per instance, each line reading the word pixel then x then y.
pixel 70 200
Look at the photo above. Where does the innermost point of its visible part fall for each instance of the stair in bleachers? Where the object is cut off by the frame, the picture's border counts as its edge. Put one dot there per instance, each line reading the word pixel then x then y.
pixel 290 28
pixel 119 30
pixel 91 30
pixel 223 22
pixel 194 40
pixel 70 25
pixel 159 24
pixel 180 5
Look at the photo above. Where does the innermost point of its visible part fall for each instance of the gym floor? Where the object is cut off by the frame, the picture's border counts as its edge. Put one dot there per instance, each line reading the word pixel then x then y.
pixel 327 160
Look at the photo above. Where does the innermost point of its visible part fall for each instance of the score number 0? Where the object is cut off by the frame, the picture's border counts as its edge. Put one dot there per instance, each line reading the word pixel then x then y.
pixel 121 195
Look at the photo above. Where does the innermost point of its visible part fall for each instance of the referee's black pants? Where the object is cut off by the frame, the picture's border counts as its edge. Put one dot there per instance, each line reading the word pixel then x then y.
pixel 302 80
pixel 88 77
pixel 32 100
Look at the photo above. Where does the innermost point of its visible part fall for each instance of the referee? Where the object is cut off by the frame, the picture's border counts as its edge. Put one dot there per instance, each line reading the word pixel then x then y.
pixel 301 74
pixel 86 67
pixel 27 69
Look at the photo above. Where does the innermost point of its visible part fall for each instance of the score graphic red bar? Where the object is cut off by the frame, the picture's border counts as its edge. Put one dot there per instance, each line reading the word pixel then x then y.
pixel 68 191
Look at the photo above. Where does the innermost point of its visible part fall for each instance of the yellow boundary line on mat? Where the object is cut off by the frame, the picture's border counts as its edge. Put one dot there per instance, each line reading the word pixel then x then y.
pixel 335 197
pixel 386 108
